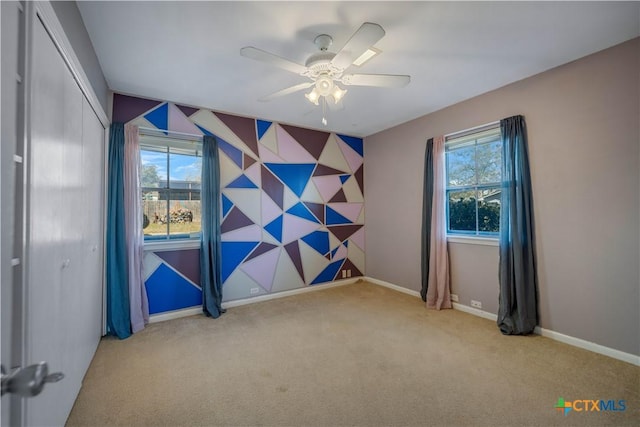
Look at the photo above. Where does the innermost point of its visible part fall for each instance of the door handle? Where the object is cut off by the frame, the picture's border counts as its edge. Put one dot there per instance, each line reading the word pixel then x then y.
pixel 29 381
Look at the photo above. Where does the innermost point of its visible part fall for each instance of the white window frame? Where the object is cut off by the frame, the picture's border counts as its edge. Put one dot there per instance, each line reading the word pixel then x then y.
pixel 466 137
pixel 181 142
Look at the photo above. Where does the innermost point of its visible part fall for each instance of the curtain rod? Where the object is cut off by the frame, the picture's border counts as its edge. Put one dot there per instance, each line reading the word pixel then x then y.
pixel 169 131
pixel 474 129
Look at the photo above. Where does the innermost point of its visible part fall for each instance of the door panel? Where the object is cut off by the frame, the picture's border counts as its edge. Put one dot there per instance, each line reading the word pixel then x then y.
pixel 63 290
pixel 93 234
pixel 45 314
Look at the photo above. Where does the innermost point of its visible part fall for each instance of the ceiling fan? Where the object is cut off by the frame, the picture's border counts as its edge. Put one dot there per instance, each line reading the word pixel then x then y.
pixel 326 69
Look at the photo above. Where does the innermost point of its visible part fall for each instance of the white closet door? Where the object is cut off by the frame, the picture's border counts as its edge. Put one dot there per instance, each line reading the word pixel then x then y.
pixel 63 304
pixel 93 235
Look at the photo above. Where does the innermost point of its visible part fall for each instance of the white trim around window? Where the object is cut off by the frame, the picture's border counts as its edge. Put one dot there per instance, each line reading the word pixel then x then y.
pixel 171 245
pixel 473 240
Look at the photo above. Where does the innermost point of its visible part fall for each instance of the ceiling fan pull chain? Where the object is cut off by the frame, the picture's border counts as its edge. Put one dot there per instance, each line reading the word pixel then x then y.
pixel 324 110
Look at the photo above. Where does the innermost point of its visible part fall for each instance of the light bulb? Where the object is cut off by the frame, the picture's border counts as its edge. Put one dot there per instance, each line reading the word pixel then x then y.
pixel 324 84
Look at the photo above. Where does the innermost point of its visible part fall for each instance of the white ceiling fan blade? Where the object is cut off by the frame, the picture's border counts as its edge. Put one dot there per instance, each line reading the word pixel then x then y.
pixel 286 91
pixel 260 55
pixel 366 36
pixel 379 80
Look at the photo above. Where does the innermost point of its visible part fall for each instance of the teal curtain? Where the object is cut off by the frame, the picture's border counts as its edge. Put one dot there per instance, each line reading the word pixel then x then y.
pixel 118 310
pixel 518 304
pixel 427 206
pixel 210 278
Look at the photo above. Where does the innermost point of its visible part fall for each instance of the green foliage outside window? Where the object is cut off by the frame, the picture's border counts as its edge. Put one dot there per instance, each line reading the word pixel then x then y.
pixel 473 165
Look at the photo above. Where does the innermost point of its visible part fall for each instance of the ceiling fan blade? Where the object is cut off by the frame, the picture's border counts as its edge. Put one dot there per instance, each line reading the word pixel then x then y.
pixel 366 36
pixel 286 91
pixel 379 80
pixel 260 55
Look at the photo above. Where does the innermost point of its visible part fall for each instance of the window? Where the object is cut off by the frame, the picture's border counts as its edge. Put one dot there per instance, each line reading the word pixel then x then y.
pixel 170 180
pixel 474 175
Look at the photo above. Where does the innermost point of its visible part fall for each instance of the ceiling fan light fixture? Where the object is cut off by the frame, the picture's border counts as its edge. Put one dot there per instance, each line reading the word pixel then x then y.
pixel 338 93
pixel 313 96
pixel 324 85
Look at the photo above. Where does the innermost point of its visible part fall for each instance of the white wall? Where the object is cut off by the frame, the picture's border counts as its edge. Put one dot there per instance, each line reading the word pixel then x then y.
pixel 70 18
pixel 583 128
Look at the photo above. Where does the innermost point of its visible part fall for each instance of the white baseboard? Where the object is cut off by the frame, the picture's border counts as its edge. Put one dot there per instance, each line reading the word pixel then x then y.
pixel 276 295
pixel 176 314
pixel 191 311
pixel 394 287
pixel 588 345
pixel 576 342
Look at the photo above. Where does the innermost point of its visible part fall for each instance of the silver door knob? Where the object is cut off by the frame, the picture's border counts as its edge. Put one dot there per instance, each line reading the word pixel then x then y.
pixel 29 381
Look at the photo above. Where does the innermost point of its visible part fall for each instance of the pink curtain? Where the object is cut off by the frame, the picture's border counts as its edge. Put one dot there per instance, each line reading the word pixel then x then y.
pixel 139 304
pixel 438 291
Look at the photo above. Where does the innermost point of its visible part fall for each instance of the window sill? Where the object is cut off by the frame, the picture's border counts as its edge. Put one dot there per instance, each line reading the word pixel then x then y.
pixel 473 240
pixel 171 245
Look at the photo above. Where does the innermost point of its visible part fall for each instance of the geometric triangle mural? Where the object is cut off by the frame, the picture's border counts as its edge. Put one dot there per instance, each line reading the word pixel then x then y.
pixel 333 218
pixel 294 176
pixel 241 182
pixel 292 205
pixel 232 255
pixel 168 291
pixel 159 117
pixel 329 273
pixel 234 220
pixel 275 228
pixel 263 127
pixel 302 211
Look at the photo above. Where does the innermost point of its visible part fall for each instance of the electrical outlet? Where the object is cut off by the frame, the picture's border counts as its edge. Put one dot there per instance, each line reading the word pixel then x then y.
pixel 476 304
pixel 255 290
pixel 454 297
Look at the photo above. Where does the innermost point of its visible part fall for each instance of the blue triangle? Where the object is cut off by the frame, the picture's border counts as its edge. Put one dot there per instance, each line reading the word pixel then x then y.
pixel 242 182
pixel 234 154
pixel 353 142
pixel 318 240
pixel 344 178
pixel 333 252
pixel 226 205
pixel 167 290
pixel 232 254
pixel 263 127
pixel 275 228
pixel 329 273
pixel 204 131
pixel 293 175
pixel 333 218
pixel 301 210
pixel 159 117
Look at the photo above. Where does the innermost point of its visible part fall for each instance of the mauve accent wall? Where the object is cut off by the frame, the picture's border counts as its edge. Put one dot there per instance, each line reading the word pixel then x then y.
pixel 292 205
pixel 583 126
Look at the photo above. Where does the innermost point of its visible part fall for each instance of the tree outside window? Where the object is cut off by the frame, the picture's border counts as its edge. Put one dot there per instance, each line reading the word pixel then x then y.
pixel 473 168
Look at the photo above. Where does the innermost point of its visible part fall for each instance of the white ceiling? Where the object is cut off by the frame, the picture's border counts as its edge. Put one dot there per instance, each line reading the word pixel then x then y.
pixel 188 52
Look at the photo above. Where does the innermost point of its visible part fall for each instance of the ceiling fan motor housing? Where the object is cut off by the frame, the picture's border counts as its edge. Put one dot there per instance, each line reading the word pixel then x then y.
pixel 320 62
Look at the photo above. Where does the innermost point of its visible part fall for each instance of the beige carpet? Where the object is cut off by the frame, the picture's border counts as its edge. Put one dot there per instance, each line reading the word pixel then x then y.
pixel 356 355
